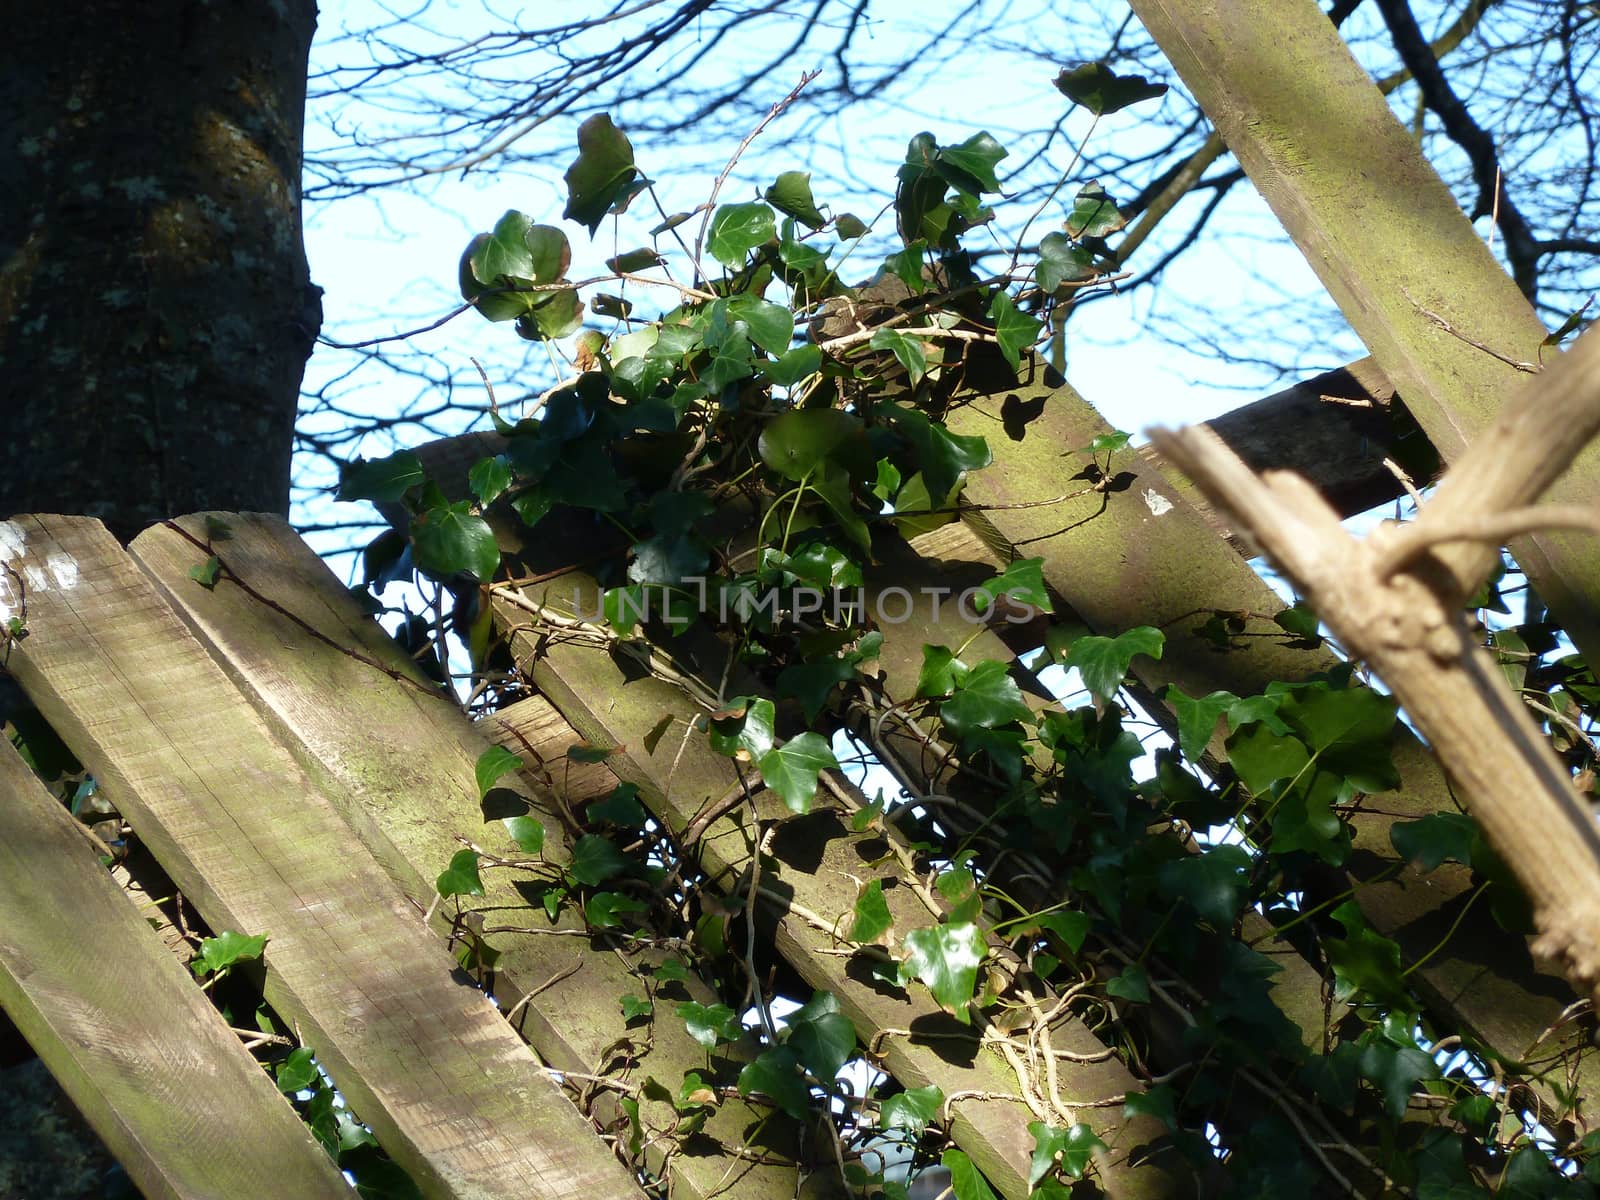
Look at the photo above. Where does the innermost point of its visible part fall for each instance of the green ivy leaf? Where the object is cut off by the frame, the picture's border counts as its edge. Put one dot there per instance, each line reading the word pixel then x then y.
pixel 849 226
pixel 822 1037
pixel 641 259
pixel 737 229
pixel 1071 927
pixel 1434 838
pixel 635 1008
pixel 871 918
pixel 940 670
pixel 461 877
pixel 602 174
pixel 791 769
pixel 776 1074
pixel 1300 621
pixel 452 540
pixel 1061 262
pixel 792 194
pixel 1348 729
pixel 1014 329
pixel 965 1179
pixel 527 832
pixel 298 1072
pixel 742 728
pixel 1101 90
pixel 771 325
pixel 709 1024
pixel 1103 662
pixel 605 910
pixel 489 477
pixel 1197 719
pixel 595 859
pixel 794 365
pixel 206 573
pixel 831 482
pixel 1160 1102
pixel 970 165
pixel 1396 1070
pixel 1022 582
pixel 1215 883
pixel 796 442
pixel 946 958
pixel 1133 984
pixel 985 697
pixel 1074 1148
pixel 227 948
pixel 620 806
pixel 911 1109
pixel 1364 962
pixel 493 763
pixel 908 352
pixel 812 683
pixel 943 456
pixel 1094 214
pixel 382 479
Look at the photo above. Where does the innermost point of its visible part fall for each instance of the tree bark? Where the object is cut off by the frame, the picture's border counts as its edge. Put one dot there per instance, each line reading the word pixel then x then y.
pixel 155 306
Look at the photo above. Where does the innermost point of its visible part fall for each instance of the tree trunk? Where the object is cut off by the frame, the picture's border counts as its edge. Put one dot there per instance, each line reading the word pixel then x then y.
pixel 155 306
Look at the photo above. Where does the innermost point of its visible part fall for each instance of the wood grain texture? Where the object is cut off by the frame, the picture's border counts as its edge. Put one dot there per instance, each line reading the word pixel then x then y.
pixel 399 765
pixel 1141 554
pixel 1385 236
pixel 448 1087
pixel 125 1029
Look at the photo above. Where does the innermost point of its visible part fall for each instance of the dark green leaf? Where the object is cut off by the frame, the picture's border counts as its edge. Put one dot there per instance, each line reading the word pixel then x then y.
pixel 595 859
pixel 986 697
pixel 939 671
pixel 1434 838
pixel 453 540
pixel 771 325
pixel 965 1180
pixel 1214 883
pixel 667 559
pixel 871 919
pixel 792 194
pixel 791 769
pixel 1070 927
pixel 1061 262
pixel 801 362
pixel 1197 719
pixel 776 1074
pixel 1022 582
pixel 1133 984
pixel 794 443
pixel 491 765
pixel 527 832
pixel 907 351
pixel 605 910
pixel 207 573
pixel 381 479
pixel 1074 1148
pixel 1261 757
pixel 298 1072
pixel 1396 1070
pixel 943 456
pixel 602 174
pixel 1160 1102
pixel 974 161
pixel 641 259
pixel 832 483
pixel 489 477
pixel 742 728
pixel 1103 662
pixel 635 1007
pixel 737 229
pixel 1094 214
pixel 823 1040
pixel 1014 329
pixel 850 226
pixel 906 265
pixel 1300 621
pixel 1101 90
pixel 1365 963
pixel 227 948
pixel 709 1024
pixel 911 1109
pixel 812 683
pixel 946 959
pixel 620 807
pixel 461 877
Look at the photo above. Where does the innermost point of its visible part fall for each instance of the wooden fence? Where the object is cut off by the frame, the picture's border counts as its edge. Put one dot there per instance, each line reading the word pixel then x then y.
pixel 296 776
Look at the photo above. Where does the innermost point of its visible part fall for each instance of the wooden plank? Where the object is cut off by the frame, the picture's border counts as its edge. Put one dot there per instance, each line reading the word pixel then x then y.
pixel 807 873
pixel 450 1090
pixel 1384 235
pixel 400 762
pixel 125 1029
pixel 1141 555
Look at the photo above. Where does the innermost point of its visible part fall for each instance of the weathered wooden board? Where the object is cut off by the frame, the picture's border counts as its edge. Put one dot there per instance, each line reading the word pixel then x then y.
pixel 809 873
pixel 125 1029
pixel 1384 235
pixel 400 759
pixel 451 1091
pixel 1139 554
